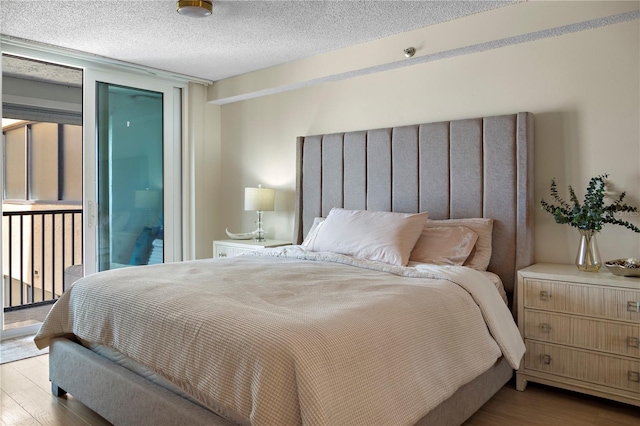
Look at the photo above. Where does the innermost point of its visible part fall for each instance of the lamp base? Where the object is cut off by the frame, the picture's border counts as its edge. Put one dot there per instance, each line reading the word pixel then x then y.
pixel 259 232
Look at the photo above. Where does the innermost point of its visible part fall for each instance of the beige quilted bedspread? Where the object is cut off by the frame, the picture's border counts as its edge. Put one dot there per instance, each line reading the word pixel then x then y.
pixel 292 338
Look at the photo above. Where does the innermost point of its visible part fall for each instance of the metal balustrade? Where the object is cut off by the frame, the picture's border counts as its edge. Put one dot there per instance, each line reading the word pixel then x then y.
pixel 37 247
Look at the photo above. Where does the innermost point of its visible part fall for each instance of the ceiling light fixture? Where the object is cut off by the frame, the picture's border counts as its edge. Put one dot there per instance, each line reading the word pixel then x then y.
pixel 194 8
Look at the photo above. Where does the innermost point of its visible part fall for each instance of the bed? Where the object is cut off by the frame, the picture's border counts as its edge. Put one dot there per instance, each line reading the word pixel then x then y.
pixel 473 168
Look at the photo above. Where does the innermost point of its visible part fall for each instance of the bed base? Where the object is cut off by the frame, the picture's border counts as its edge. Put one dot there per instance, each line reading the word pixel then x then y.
pixel 125 398
pixel 117 394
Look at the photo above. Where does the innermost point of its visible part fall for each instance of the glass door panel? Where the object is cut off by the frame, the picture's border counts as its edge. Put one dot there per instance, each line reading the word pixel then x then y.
pixel 130 190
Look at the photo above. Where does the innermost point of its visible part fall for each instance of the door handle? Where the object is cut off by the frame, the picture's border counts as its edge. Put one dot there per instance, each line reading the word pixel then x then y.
pixel 92 208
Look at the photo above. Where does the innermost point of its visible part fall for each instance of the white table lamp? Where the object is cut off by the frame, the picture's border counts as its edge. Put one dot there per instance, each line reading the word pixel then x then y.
pixel 260 200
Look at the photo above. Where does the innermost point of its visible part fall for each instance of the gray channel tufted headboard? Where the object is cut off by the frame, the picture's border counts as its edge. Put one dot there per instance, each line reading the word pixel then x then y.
pixel 480 167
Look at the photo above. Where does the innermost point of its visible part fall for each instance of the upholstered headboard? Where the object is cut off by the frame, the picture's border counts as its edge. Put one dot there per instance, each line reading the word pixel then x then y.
pixel 480 167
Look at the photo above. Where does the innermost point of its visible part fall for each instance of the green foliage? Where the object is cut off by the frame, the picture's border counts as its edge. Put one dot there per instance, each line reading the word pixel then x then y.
pixel 592 213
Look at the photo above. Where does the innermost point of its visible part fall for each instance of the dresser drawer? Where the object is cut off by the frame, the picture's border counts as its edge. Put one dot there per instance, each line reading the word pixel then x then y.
pixel 606 370
pixel 226 251
pixel 589 300
pixel 606 336
pixel 231 248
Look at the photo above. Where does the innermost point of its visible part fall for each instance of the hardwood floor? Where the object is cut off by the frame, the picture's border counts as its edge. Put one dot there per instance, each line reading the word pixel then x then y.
pixel 26 400
pixel 545 405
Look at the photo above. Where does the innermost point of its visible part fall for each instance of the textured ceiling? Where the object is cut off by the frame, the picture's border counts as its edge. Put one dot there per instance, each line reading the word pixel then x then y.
pixel 40 71
pixel 240 36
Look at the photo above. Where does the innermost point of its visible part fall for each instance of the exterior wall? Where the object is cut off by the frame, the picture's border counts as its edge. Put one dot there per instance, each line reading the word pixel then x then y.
pixel 582 86
pixel 43 162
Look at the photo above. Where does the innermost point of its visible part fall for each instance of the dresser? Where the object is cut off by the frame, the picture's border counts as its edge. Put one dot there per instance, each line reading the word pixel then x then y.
pixel 581 330
pixel 230 248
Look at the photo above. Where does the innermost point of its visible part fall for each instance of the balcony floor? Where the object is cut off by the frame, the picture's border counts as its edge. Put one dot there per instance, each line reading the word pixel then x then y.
pixel 27 316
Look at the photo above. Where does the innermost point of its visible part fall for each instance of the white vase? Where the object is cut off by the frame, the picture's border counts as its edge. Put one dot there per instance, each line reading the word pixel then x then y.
pixel 588 258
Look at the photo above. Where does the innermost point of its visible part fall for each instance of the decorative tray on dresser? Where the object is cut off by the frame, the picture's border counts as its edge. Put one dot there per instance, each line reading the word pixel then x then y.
pixel 581 330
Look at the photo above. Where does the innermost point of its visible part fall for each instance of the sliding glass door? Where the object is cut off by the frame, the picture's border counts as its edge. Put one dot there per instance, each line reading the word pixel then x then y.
pixel 92 172
pixel 132 173
pixel 42 190
pixel 130 176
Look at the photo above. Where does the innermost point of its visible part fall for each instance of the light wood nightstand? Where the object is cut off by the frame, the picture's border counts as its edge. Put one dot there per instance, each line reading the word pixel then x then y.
pixel 581 329
pixel 230 248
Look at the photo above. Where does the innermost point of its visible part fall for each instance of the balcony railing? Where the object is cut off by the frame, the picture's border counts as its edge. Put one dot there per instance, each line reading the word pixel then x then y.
pixel 38 245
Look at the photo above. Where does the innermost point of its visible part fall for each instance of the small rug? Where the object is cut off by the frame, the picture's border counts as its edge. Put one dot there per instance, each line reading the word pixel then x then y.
pixel 19 348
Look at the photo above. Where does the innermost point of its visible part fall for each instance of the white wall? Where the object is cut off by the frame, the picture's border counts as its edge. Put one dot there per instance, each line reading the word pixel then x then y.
pixel 202 157
pixel 583 87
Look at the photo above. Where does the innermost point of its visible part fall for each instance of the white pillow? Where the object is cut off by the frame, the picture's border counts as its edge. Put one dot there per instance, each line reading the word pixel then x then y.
pixel 481 254
pixel 381 236
pixel 444 245
pixel 311 235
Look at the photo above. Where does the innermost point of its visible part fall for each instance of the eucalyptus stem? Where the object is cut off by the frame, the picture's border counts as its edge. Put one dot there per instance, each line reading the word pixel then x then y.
pixel 593 213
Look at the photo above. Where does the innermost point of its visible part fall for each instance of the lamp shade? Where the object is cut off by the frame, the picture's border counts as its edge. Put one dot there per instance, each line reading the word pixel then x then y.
pixel 259 199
